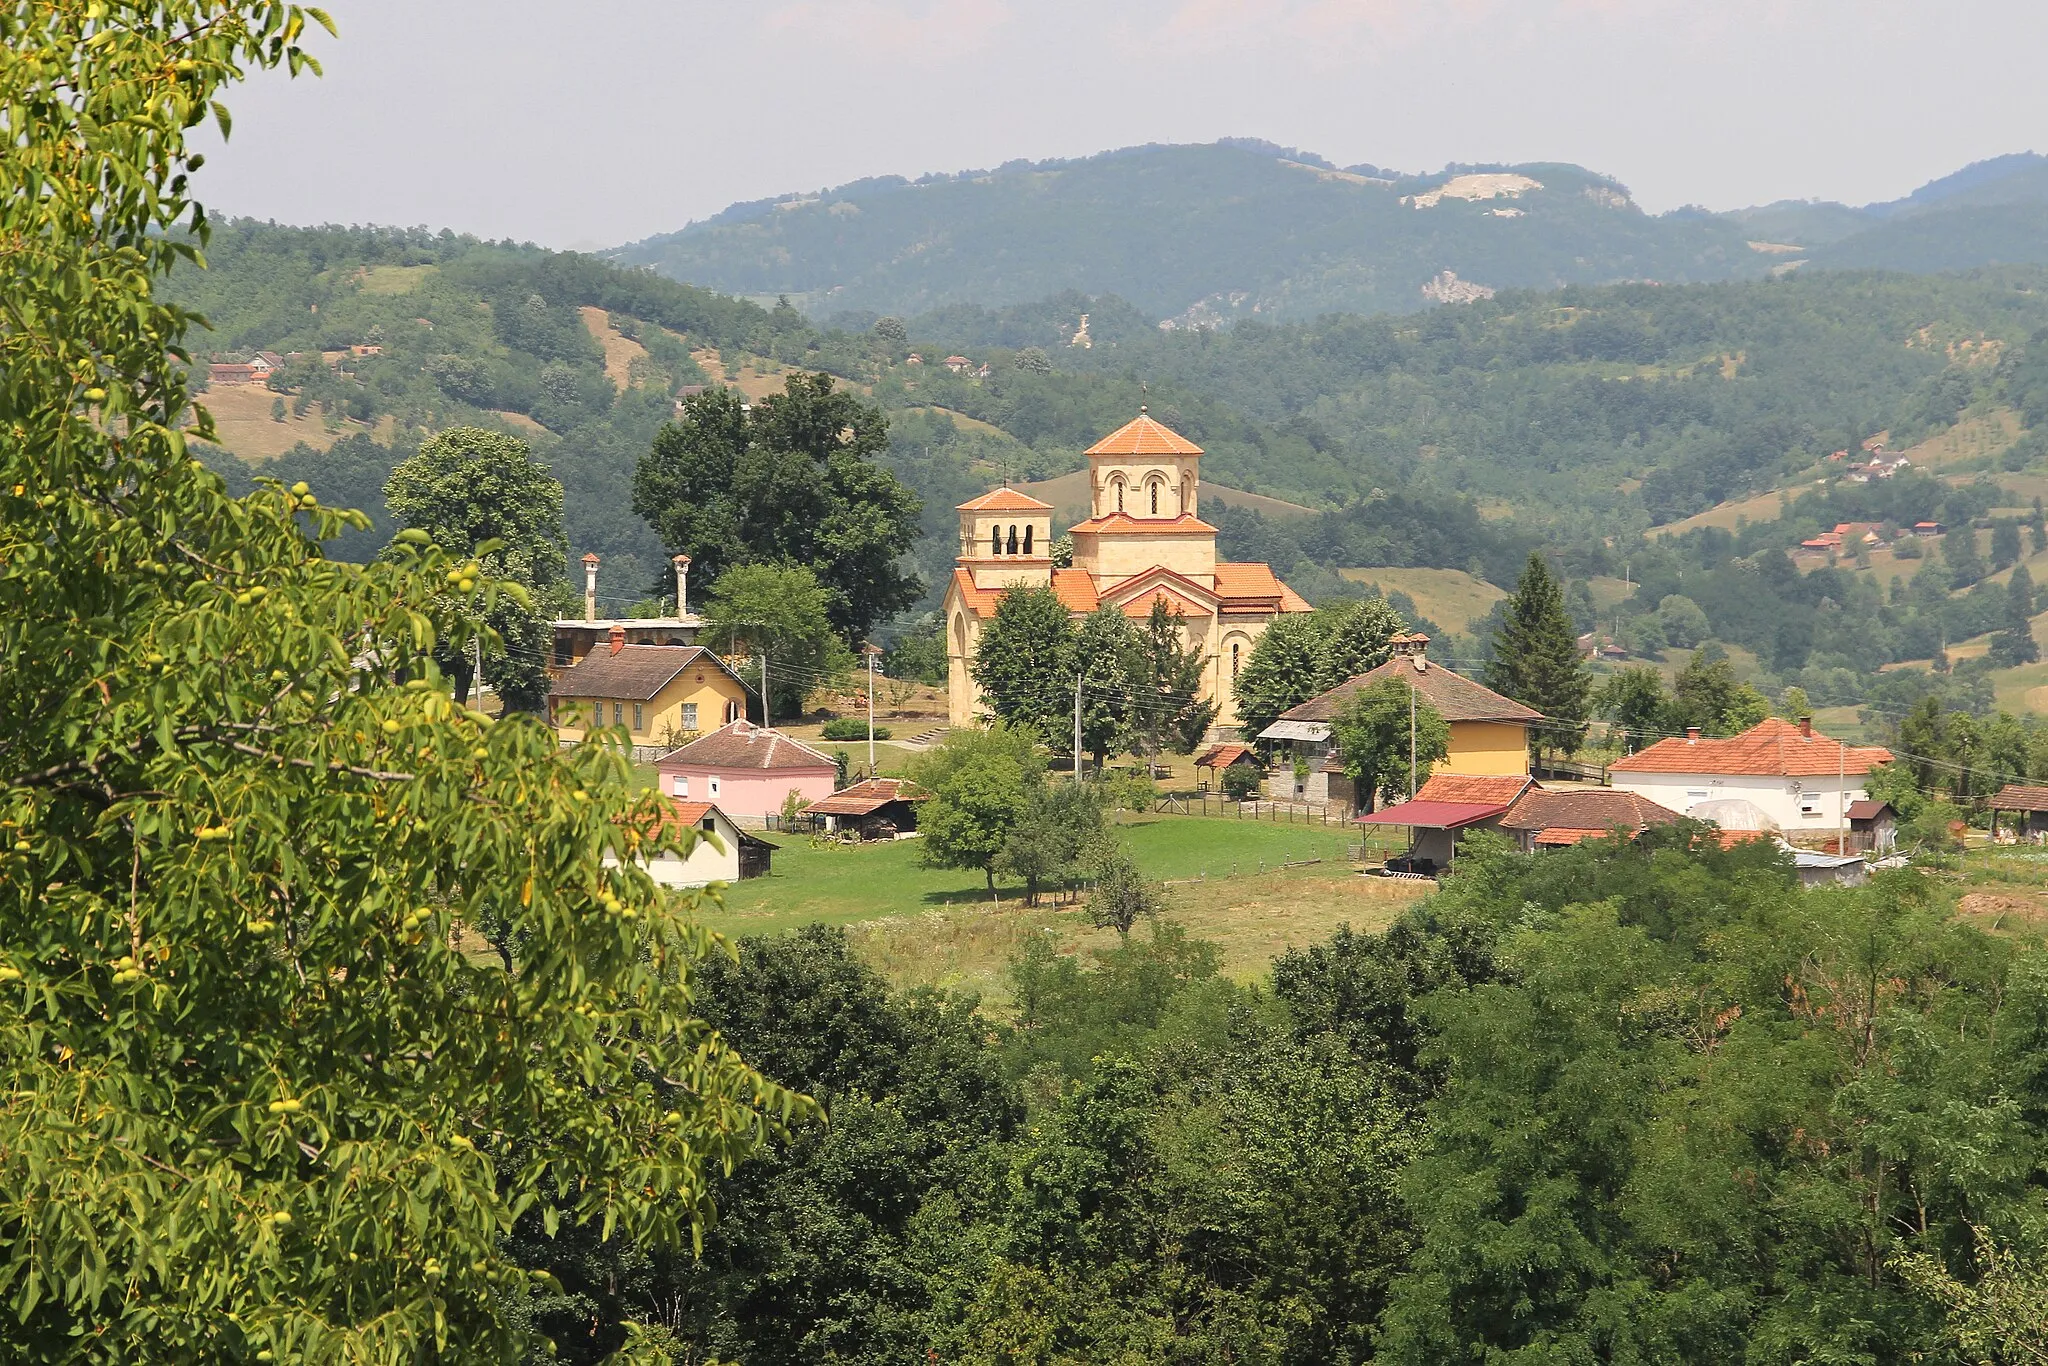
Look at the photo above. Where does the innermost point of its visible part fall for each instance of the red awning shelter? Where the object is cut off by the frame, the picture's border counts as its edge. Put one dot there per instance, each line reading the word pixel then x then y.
pixel 1431 815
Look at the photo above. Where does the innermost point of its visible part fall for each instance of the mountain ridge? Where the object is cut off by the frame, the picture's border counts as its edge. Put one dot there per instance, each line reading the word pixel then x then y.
pixel 1201 233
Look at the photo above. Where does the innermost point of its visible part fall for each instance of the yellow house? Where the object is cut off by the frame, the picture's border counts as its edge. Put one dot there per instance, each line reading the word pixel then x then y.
pixel 1489 733
pixel 661 695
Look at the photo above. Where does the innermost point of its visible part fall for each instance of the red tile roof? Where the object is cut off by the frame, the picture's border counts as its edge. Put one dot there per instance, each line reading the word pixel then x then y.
pixel 1774 748
pixel 1455 697
pixel 1144 435
pixel 1597 809
pixel 637 673
pixel 2019 797
pixel 1177 602
pixel 1076 589
pixel 1004 500
pixel 1433 815
pixel 1186 524
pixel 867 797
pixel 1465 787
pixel 744 745
pixel 1221 756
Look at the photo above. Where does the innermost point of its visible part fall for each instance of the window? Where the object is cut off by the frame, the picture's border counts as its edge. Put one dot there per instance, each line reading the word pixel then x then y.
pixel 732 712
pixel 1027 540
pixel 1155 498
pixel 1119 495
pixel 1809 804
pixel 682 785
pixel 689 716
pixel 710 825
pixel 618 713
pixel 995 540
pixel 714 784
pixel 639 722
pixel 1013 539
pixel 1234 648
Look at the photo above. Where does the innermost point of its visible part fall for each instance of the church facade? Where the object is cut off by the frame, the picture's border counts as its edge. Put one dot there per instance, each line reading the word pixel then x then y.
pixel 1144 540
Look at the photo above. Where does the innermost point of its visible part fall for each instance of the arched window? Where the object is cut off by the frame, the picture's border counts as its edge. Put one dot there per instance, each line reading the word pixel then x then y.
pixel 1155 497
pixel 1119 495
pixel 995 540
pixel 1027 540
pixel 1187 493
pixel 1234 647
pixel 1013 539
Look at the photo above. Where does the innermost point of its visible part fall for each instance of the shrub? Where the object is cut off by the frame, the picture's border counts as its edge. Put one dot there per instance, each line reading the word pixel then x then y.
pixel 852 728
pixel 1241 782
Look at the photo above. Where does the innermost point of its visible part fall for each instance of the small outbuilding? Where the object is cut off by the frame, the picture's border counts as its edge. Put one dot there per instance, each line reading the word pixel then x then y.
pixel 723 852
pixel 874 808
pixel 2028 807
pixel 1441 811
pixel 1542 819
pixel 1873 827
pixel 1211 762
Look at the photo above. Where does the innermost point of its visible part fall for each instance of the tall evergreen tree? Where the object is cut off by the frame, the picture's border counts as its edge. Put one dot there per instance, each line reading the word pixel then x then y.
pixel 1168 673
pixel 2015 643
pixel 1536 660
pixel 1959 552
pixel 1025 663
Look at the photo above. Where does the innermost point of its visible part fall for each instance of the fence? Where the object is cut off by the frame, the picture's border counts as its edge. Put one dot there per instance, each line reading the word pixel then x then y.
pixel 1285 813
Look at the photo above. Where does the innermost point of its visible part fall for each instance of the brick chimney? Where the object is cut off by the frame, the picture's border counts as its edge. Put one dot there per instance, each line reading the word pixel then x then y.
pixel 1806 727
pixel 1414 648
pixel 1692 735
pixel 618 637
pixel 590 587
pixel 682 563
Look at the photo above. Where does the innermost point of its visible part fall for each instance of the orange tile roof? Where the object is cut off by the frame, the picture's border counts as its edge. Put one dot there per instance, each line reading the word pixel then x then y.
pixel 1247 581
pixel 1004 500
pixel 2015 797
pixel 1464 787
pixel 980 601
pixel 1222 756
pixel 1187 524
pixel 1144 435
pixel 1291 601
pixel 866 797
pixel 1076 589
pixel 1455 697
pixel 1774 748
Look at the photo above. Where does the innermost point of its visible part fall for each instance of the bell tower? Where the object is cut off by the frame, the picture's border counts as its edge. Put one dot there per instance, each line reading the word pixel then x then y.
pixel 1144 469
pixel 1006 539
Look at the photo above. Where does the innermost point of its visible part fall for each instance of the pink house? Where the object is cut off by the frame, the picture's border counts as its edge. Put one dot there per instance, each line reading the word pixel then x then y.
pixel 748 770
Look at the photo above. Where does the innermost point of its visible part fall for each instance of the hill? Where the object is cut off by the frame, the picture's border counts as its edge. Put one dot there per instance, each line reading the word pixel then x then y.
pixel 1197 235
pixel 1194 233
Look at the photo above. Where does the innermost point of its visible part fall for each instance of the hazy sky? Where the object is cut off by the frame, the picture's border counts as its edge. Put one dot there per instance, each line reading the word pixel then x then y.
pixel 602 121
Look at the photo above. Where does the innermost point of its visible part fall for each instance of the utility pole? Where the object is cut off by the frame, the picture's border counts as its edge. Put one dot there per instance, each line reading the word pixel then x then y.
pixel 872 652
pixel 1077 726
pixel 1842 798
pixel 767 702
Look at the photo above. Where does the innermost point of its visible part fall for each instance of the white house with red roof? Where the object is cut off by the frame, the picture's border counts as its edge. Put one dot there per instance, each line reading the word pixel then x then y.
pixel 1143 541
pixel 723 852
pixel 1800 779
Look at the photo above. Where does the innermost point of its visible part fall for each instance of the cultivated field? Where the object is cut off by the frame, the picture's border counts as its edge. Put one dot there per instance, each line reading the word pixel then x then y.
pixel 1450 597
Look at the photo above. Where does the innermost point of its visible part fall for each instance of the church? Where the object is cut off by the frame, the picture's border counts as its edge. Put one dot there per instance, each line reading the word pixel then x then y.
pixel 1143 540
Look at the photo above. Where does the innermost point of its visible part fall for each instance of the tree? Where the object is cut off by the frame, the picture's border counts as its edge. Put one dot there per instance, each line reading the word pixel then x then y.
pixel 792 480
pixel 466 488
pixel 1793 703
pixel 1959 553
pixel 1106 648
pixel 1635 701
pixel 1381 731
pixel 1025 663
pixel 2015 644
pixel 1032 360
pixel 783 614
pixel 1683 622
pixel 2005 544
pixel 277 410
pixel 1536 660
pixel 1283 671
pixel 1059 823
pixel 1709 696
pixel 1167 680
pixel 1121 895
pixel 891 333
pixel 258 1105
pixel 1241 782
pixel 980 785
pixel 1356 640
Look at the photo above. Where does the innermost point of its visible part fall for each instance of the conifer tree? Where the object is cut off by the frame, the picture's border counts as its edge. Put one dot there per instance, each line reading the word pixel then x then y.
pixel 1106 648
pixel 1536 659
pixel 1168 675
pixel 2014 644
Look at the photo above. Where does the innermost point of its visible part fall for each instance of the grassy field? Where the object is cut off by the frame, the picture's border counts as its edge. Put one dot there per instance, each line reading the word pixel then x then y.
pixel 242 415
pixel 1450 597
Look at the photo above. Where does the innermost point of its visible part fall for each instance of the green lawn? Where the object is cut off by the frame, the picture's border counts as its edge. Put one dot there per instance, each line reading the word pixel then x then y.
pixel 840 884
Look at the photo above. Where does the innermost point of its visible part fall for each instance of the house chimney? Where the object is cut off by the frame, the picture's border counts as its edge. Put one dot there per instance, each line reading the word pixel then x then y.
pixel 618 637
pixel 590 587
pixel 1692 735
pixel 1806 727
pixel 1414 647
pixel 682 563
